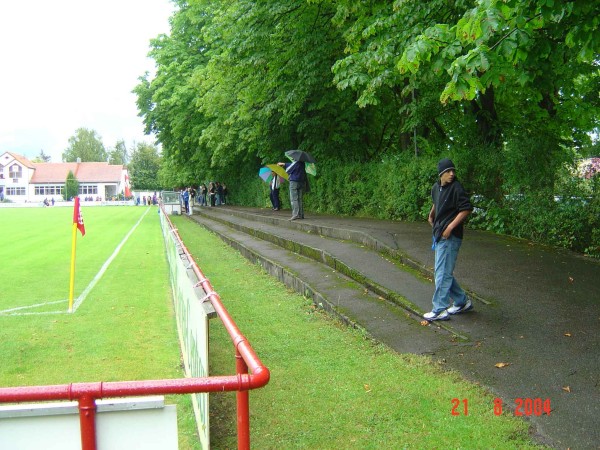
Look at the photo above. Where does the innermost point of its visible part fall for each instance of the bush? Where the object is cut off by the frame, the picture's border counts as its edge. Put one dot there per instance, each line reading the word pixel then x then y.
pixel 398 187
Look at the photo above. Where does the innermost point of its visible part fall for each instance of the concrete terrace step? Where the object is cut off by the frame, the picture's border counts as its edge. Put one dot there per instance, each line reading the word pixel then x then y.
pixel 349 252
pixel 327 286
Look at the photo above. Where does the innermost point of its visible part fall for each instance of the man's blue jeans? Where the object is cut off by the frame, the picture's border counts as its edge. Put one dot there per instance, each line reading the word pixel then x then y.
pixel 446 286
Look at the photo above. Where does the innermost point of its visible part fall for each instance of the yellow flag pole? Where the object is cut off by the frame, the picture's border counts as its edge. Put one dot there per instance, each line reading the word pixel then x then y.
pixel 72 284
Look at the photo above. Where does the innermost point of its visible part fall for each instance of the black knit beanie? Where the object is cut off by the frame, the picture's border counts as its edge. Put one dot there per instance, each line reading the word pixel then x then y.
pixel 444 165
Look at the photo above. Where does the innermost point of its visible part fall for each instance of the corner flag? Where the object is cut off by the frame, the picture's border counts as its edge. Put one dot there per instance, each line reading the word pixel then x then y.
pixel 127 187
pixel 77 217
pixel 77 223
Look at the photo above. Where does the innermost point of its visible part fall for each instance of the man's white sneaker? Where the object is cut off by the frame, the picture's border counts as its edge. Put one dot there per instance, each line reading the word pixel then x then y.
pixel 459 309
pixel 431 316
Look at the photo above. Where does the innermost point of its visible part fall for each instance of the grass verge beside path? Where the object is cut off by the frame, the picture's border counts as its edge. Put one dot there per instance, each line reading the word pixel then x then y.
pixel 332 387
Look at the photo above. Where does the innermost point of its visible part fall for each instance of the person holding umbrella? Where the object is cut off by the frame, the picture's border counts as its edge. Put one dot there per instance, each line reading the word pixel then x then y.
pixel 297 172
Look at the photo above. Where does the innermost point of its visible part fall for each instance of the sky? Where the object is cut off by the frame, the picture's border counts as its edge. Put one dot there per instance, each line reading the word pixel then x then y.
pixel 68 64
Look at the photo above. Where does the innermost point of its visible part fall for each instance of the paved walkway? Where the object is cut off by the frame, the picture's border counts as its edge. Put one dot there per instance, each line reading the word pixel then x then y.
pixel 537 309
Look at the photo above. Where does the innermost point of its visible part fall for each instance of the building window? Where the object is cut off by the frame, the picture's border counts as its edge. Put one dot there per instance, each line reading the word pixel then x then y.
pixel 88 189
pixel 15 191
pixel 15 171
pixel 49 190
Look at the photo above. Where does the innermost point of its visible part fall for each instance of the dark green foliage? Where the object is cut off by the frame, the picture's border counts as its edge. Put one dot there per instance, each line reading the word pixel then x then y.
pixel 570 221
pixel 144 168
pixel 397 187
pixel 71 187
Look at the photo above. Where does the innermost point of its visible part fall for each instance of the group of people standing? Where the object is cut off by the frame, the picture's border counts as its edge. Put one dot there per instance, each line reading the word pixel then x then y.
pixel 147 201
pixel 215 194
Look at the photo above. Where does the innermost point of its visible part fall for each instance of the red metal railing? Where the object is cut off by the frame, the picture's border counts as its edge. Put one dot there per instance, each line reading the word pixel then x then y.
pixel 86 394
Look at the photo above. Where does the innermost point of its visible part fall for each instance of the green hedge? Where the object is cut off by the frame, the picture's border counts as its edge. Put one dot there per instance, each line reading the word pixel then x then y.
pixel 398 188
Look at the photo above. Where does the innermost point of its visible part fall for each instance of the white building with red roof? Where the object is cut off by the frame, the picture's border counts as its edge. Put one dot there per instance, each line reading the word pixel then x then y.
pixel 24 181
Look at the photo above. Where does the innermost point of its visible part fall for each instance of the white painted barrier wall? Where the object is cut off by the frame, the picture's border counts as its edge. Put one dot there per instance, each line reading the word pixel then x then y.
pixel 192 324
pixel 121 424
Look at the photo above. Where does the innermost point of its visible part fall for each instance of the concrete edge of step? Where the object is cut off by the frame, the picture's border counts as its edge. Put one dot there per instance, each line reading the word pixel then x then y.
pixel 359 237
pixel 329 260
pixel 287 277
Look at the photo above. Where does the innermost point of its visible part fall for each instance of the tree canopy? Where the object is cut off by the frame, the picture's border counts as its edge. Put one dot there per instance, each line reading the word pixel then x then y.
pixel 119 154
pixel 144 167
pixel 502 82
pixel 507 88
pixel 42 157
pixel 86 145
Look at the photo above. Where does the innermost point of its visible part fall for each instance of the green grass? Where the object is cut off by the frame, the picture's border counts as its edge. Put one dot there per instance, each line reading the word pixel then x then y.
pixel 124 330
pixel 332 387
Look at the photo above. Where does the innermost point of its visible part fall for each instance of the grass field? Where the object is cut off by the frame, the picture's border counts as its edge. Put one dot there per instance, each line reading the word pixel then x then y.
pixel 124 329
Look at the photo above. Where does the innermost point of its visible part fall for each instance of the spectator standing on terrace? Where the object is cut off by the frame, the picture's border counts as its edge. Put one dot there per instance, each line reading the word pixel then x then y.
pixel 451 206
pixel 185 195
pixel 297 173
pixel 192 196
pixel 225 192
pixel 274 185
pixel 203 191
pixel 211 194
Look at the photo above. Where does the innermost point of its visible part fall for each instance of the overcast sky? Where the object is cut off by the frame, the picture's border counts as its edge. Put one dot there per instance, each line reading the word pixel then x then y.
pixel 67 64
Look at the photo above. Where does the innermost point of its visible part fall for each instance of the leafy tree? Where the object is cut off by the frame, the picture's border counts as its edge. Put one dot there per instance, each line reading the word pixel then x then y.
pixel 86 145
pixel 144 167
pixel 118 155
pixel 502 85
pixel 507 88
pixel 71 186
pixel 42 157
pixel 527 70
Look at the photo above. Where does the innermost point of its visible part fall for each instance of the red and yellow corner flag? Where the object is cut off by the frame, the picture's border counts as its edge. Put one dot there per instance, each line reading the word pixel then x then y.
pixel 127 187
pixel 77 217
pixel 77 223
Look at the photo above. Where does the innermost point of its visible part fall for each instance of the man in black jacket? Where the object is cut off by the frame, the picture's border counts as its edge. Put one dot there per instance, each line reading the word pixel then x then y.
pixel 451 206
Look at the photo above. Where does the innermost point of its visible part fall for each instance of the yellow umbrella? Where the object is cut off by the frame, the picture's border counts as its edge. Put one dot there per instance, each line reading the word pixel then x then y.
pixel 279 170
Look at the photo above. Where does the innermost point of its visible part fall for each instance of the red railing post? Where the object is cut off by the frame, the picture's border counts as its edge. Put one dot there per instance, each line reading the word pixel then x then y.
pixel 87 422
pixel 243 405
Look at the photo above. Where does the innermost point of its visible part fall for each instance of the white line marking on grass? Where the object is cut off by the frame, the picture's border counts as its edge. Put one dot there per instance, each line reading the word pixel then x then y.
pixel 44 313
pixel 95 280
pixel 7 312
pixel 84 294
